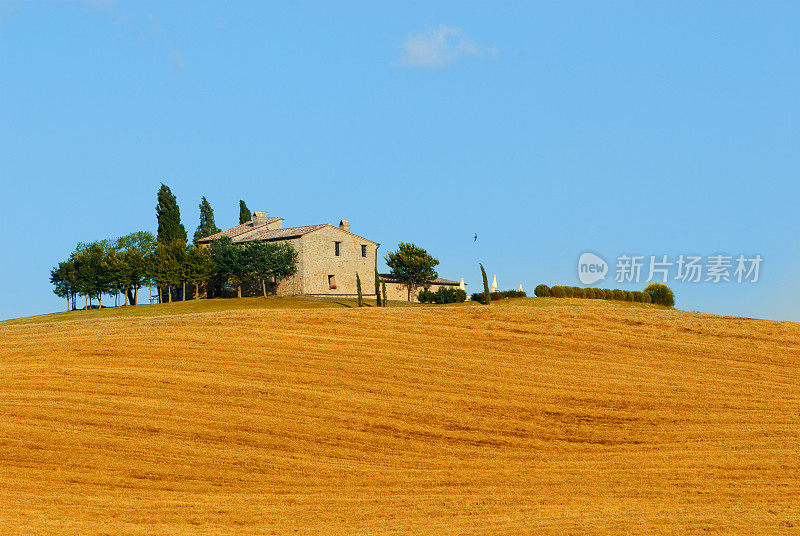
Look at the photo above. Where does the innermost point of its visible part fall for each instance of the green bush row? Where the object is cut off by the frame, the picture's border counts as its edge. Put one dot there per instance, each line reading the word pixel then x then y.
pixel 442 295
pixel 480 297
pixel 654 293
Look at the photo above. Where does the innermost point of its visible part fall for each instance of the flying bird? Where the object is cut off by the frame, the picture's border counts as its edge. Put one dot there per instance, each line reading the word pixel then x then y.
pixel 475 238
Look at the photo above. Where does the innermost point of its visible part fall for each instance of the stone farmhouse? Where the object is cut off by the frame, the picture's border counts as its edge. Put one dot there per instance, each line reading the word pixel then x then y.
pixel 328 258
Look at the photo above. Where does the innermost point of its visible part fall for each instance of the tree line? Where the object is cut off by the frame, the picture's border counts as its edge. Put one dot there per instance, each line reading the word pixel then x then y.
pixel 120 267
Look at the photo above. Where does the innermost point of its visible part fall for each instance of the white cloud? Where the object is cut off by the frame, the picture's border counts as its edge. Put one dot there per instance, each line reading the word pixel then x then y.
pixel 158 34
pixel 438 47
pixel 177 58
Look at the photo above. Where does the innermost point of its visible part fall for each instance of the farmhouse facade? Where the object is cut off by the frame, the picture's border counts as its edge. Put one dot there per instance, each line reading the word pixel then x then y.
pixel 328 258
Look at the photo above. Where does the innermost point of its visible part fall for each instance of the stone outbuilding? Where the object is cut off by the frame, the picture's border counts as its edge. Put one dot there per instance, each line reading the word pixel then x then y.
pixel 395 290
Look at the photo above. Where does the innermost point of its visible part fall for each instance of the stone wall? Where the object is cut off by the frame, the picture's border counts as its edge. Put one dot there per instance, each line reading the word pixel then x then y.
pixel 317 260
pixel 398 291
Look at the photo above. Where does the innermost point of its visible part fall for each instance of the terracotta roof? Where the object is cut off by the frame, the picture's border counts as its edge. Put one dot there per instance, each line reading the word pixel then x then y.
pixel 246 232
pixel 279 234
pixel 438 281
pixel 238 230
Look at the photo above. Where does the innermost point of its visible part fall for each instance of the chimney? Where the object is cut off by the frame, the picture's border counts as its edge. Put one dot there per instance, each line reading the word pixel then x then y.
pixel 259 218
pixel 344 225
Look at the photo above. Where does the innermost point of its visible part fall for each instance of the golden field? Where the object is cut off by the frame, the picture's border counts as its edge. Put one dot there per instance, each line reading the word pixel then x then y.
pixel 503 420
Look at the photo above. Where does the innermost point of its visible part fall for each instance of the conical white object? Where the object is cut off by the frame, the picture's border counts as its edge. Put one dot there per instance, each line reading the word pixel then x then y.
pixel 520 287
pixel 461 285
pixel 494 283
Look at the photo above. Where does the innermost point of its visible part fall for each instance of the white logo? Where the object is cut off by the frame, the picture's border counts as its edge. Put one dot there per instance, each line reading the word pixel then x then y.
pixel 591 268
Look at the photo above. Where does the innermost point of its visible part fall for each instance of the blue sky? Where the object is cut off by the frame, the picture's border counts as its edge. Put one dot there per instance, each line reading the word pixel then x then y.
pixel 548 129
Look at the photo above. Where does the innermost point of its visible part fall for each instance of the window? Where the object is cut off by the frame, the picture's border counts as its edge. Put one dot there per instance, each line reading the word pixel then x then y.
pixel 363 250
pixel 336 248
pixel 332 282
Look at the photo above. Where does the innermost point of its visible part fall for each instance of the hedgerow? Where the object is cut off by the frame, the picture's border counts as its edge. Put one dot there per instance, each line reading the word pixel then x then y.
pixel 658 293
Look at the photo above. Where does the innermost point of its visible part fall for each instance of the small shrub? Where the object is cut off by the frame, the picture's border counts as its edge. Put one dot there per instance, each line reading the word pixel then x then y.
pixel 442 295
pixel 507 294
pixel 542 291
pixel 660 294
pixel 618 294
pixel 558 292
pixel 494 296
pixel 646 297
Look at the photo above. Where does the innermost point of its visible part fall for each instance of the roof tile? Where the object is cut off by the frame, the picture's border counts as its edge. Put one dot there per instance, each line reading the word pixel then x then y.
pixel 238 230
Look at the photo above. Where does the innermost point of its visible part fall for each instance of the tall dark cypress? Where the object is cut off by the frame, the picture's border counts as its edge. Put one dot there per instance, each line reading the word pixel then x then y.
pixel 170 228
pixel 377 288
pixel 487 297
pixel 207 226
pixel 244 213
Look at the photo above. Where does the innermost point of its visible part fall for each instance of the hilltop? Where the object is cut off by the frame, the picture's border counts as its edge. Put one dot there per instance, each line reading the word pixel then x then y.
pixel 219 305
pixel 582 418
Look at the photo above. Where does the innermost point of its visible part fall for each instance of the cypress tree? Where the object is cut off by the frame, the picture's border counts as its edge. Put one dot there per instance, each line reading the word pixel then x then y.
pixel 207 226
pixel 170 228
pixel 358 287
pixel 244 213
pixel 487 297
pixel 377 288
pixel 385 302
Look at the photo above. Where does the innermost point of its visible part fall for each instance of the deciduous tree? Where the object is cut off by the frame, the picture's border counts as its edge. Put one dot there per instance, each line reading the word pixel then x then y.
pixel 165 268
pixel 229 262
pixel 136 250
pixel 412 266
pixel 63 279
pixel 268 260
pixel 199 267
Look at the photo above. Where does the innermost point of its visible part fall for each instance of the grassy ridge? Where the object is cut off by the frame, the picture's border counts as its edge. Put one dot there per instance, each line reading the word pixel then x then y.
pixel 199 306
pixel 292 302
